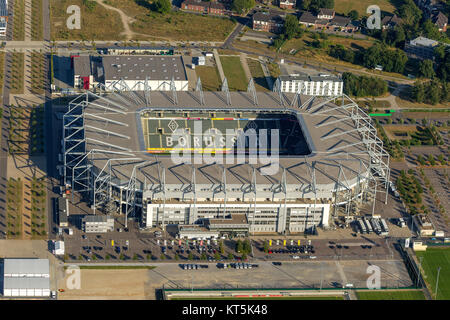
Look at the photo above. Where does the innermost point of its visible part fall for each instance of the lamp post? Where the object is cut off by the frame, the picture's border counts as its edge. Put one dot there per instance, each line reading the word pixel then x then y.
pixel 437 282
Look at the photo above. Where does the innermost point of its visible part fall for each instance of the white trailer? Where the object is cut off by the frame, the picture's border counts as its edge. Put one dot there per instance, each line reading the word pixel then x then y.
pixel 362 227
pixel 368 226
pixel 384 226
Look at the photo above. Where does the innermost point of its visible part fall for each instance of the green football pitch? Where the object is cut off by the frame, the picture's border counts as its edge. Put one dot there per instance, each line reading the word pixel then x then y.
pixel 432 259
pixel 390 295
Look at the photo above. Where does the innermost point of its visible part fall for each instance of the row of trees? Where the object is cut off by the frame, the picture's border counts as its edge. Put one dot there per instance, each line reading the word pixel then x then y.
pixel 431 92
pixel 362 86
pixel 315 5
pixel 242 5
pixel 391 60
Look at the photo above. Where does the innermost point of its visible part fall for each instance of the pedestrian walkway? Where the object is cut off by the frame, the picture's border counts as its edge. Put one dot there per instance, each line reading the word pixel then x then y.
pixel 266 73
pixel 219 65
pixel 244 64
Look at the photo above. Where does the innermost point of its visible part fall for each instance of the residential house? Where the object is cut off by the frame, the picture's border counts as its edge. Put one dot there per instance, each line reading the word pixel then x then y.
pixel 268 21
pixel 440 20
pixel 390 22
pixel 324 22
pixel 326 14
pixel 287 4
pixel 206 7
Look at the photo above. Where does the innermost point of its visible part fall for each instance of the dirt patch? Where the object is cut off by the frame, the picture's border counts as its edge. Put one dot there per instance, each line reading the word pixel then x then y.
pixel 398 132
pixel 109 284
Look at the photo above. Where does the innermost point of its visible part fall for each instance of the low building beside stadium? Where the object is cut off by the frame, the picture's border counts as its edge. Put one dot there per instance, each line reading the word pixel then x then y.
pixel 132 72
pixel 321 85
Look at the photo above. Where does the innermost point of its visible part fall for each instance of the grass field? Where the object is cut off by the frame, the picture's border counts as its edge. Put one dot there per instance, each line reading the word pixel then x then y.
pixel 234 72
pixel 263 298
pixel 345 6
pixel 2 71
pixel 210 77
pixel 96 24
pixel 432 259
pixel 390 295
pixel 14 208
pixel 258 75
pixel 17 73
pixel 19 20
pixel 174 25
pixel 37 31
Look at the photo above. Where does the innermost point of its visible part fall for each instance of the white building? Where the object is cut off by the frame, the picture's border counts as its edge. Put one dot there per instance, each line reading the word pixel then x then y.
pixel 300 217
pixel 59 248
pixel 3 17
pixel 26 278
pixel 322 85
pixel 98 224
pixel 136 71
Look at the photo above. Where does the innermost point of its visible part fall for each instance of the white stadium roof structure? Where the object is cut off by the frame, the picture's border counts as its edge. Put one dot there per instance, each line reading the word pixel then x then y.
pixel 103 147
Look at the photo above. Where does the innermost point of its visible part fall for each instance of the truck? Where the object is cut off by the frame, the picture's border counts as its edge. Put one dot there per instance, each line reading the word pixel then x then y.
pixel 385 227
pixel 362 226
pixel 368 226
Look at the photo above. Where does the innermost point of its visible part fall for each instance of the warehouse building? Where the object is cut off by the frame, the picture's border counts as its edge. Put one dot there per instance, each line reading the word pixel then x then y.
pixel 321 85
pixel 26 278
pixel 136 71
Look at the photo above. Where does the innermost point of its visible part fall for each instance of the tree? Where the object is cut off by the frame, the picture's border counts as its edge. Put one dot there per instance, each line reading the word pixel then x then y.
pixel 353 15
pixel 221 248
pixel 190 256
pixel 177 257
pixel 230 256
pixel 217 255
pixel 162 6
pixel 239 246
pixel 203 256
pixel 163 256
pixel 244 256
pixel 247 247
pixel 426 69
pixel 242 5
pixel 291 26
pixel 431 159
pixel 266 246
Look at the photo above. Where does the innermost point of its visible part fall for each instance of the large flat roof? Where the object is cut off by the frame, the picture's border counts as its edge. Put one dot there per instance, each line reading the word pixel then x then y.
pixel 26 266
pixel 138 67
pixel 26 283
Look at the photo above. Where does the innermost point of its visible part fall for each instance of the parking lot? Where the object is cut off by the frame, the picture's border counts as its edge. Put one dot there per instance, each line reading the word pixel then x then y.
pixel 148 246
pixel 142 284
pixel 360 247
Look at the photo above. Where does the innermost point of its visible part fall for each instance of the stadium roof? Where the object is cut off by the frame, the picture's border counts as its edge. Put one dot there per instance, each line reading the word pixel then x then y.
pixel 336 146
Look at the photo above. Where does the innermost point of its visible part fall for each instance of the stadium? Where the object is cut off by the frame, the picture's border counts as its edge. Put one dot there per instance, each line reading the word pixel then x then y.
pixel 201 159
